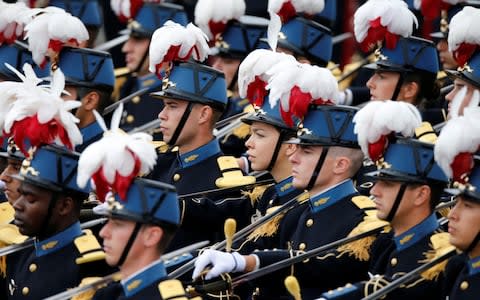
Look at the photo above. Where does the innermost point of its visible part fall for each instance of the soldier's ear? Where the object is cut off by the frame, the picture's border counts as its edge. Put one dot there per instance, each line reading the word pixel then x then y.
pixel 152 236
pixel 91 101
pixel 65 206
pixel 423 194
pixel 411 90
pixel 205 114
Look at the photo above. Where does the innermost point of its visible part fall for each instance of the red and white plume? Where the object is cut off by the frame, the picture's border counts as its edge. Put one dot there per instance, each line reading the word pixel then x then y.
pixel 116 159
pixel 383 20
pixel 212 16
pixel 252 73
pixel 378 119
pixel 174 42
pixel 11 27
pixel 457 143
pixel 431 9
pixel 281 11
pixel 40 116
pixel 51 30
pixel 463 35
pixel 10 89
pixel 298 85
pixel 128 9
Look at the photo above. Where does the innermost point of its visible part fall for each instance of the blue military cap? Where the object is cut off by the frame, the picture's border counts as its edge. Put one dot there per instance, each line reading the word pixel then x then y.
pixel 328 15
pixel 149 202
pixel 410 160
pixel 328 125
pixel 411 54
pixel 17 55
pixel 307 38
pixel 269 115
pixel 196 83
pixel 87 68
pixel 470 72
pixel 242 37
pixel 53 168
pixel 472 189
pixel 88 11
pixel 153 16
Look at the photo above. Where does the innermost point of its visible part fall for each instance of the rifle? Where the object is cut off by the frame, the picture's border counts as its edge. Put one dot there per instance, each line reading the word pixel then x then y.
pixel 244 232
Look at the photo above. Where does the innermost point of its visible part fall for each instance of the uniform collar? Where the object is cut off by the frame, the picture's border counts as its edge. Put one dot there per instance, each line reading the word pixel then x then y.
pixel 58 241
pixel 148 81
pixel 416 233
pixel 200 154
pixel 474 266
pixel 331 196
pixel 90 131
pixel 143 278
pixel 285 187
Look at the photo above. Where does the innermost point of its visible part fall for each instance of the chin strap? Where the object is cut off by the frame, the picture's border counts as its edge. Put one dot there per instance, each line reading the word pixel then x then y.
pixel 474 243
pixel 181 123
pixel 398 86
pixel 51 204
pixel 129 244
pixel 276 150
pixel 318 168
pixel 396 204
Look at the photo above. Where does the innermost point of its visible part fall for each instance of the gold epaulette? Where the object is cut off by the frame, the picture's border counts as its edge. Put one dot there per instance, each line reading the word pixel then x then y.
pixel 360 249
pixel 6 213
pixel 441 75
pixel 173 289
pixel 161 146
pixel 257 193
pixel 426 133
pixel 440 243
pixel 120 79
pixel 89 248
pixel 121 72
pixel 87 295
pixel 9 235
pixel 268 229
pixel 231 173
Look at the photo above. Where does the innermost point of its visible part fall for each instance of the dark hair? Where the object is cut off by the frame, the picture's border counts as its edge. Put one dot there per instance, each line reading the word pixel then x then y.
pixel 428 87
pixel 436 190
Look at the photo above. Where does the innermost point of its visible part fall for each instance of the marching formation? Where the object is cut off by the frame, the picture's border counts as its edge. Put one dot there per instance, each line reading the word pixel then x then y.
pixel 237 149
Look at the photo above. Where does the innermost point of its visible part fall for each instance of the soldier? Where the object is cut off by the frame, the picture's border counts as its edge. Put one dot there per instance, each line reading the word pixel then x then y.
pixel 137 233
pixel 89 78
pixel 48 210
pixel 327 156
pixel 457 154
pixel 408 185
pixel 143 109
pixel 14 158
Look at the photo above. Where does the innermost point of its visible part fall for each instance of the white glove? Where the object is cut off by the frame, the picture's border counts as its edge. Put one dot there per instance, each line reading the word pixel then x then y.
pixel 221 262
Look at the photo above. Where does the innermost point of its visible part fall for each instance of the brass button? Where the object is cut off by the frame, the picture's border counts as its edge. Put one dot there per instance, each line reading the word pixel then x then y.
pixel 270 202
pixel 130 119
pixel 176 177
pixel 302 246
pixel 32 268
pixel 136 99
pixel 309 222
pixel 25 291
pixel 464 285
pixel 394 261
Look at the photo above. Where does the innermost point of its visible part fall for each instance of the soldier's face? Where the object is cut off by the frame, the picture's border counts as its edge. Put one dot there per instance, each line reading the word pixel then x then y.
pixel 135 49
pixel 455 99
pixel 464 223
pixel 115 234
pixel 31 208
pixel 170 117
pixel 382 85
pixel 11 184
pixel 261 144
pixel 446 57
pixel 228 66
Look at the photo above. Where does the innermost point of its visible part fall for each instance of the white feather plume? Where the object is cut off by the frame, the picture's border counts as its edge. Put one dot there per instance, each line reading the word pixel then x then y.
pixel 173 42
pixel 379 118
pixel 459 135
pixel 52 29
pixel 463 28
pixel 257 63
pixel 217 11
pixel 310 7
pixel 317 81
pixel 123 8
pixel 46 104
pixel 116 153
pixel 11 26
pixel 394 15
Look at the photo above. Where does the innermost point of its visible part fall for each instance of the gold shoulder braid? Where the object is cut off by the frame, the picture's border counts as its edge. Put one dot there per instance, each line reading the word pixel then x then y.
pixel 161 146
pixel 87 295
pixel 257 193
pixel 9 235
pixel 89 248
pixel 231 173
pixel 360 249
pixel 6 213
pixel 440 246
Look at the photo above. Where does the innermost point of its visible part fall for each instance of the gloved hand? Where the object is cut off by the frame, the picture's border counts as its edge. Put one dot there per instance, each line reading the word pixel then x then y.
pixel 221 262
